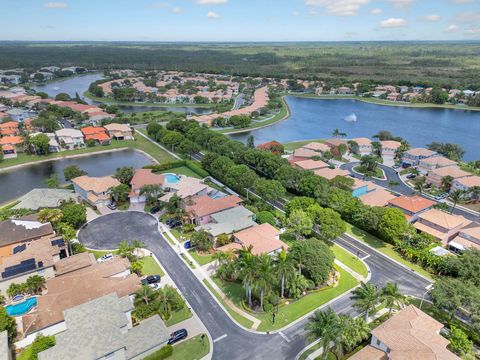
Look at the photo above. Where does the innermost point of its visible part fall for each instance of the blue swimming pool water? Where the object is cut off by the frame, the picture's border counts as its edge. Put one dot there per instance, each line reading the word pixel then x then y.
pixel 21 308
pixel 172 178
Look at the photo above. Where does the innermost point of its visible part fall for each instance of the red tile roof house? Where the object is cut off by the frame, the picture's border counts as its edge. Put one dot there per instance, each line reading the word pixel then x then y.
pixel 412 206
pixel 434 162
pixel 413 156
pixel 329 174
pixel 96 133
pixel 9 151
pixel 310 164
pixel 141 178
pixel 442 226
pixel 364 146
pixel 434 177
pixel 316 146
pixel 467 238
pixel 334 144
pixel 203 207
pixel 466 183
pixel 9 128
pixel 12 141
pixel 264 239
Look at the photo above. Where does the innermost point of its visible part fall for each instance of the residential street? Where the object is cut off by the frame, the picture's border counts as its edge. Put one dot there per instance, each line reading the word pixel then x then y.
pixel 102 233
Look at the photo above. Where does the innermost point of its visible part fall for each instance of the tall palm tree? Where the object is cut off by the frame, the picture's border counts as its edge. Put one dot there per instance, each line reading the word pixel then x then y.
pixel 455 197
pixel 50 215
pixel 475 193
pixel 323 325
pixel 167 298
pixel 352 332
pixel 137 244
pixel 366 298
pixel 152 192
pixel 420 185
pixel 392 297
pixel 36 283
pixel 145 294
pixel 336 133
pixel 446 183
pixel 265 276
pixel 283 267
pixel 247 271
pixel 125 249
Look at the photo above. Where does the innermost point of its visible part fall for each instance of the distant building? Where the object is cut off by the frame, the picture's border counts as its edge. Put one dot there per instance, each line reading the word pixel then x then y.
pixel 119 131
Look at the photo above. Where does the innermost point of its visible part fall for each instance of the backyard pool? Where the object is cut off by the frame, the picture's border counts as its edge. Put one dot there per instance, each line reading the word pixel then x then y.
pixel 21 308
pixel 172 178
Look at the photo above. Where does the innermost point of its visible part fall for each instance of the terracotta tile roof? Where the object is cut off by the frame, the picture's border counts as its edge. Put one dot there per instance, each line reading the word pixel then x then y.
pixel 390 144
pixel 95 184
pixel 411 334
pixel 311 164
pixel 469 181
pixel 420 152
pixel 439 161
pixel 441 218
pixel 472 231
pixel 378 197
pixel 11 140
pixel 331 173
pixel 467 244
pixel 429 230
pixel 305 153
pixel 146 177
pixel 205 205
pixel 363 141
pixel 9 125
pixel 369 353
pixel 90 130
pixel 78 287
pixel 335 142
pixel 263 239
pixel 98 137
pixel 316 146
pixel 412 204
pixel 453 171
pixel 8 147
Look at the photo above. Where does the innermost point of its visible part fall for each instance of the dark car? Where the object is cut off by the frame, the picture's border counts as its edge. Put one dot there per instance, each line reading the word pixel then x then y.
pixel 154 209
pixel 411 176
pixel 177 336
pixel 169 221
pixel 174 224
pixel 150 279
pixel 112 206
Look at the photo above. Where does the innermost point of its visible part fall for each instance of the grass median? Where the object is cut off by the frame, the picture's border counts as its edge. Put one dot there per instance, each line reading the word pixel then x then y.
pixel 350 260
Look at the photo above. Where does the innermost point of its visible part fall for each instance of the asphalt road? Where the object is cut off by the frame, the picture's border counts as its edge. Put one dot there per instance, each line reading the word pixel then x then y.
pixel 108 231
pixel 400 187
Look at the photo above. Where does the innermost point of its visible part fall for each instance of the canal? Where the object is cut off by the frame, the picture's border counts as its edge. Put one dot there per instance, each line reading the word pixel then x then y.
pixel 17 182
pixel 317 118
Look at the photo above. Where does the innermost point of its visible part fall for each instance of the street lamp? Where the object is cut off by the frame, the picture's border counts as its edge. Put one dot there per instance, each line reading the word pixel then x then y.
pixel 429 287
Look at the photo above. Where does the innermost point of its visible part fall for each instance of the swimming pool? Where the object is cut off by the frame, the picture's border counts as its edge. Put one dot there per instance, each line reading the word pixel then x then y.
pixel 21 308
pixel 172 178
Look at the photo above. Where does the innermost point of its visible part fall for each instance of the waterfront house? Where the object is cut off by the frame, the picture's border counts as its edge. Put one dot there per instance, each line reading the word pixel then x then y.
pixel 344 90
pixel 94 190
pixel 466 184
pixel 389 150
pixel 317 147
pixel 119 131
pixel 9 128
pixel 310 164
pixel 334 145
pixel 70 138
pixel 435 176
pixel 394 96
pixel 96 133
pixel 264 239
pixel 185 188
pixel 434 162
pixel 305 153
pixel 413 156
pixel 200 209
pixel 17 114
pixel 12 143
pixel 141 178
pixel 8 151
pixel 363 146
pixel 412 206
pixel 467 238
pixel 442 226
pixel 53 145
pixel 37 199
pixel 409 334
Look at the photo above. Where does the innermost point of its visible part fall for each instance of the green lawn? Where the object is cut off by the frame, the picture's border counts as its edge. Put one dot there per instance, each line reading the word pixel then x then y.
pixel 290 146
pixel 139 143
pixel 350 260
pixel 179 316
pixel 384 248
pixel 201 259
pixel 191 349
pixel 189 263
pixel 289 313
pixel 151 267
pixel 238 318
pixel 378 172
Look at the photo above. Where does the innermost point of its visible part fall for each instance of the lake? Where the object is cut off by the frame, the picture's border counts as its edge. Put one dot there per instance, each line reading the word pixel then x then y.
pixel 19 181
pixel 317 118
pixel 80 84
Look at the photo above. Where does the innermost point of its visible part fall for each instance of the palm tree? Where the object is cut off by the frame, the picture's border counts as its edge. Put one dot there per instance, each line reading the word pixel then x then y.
pixel 455 197
pixel 420 185
pixel 265 276
pixel 136 244
pixel 247 271
pixel 323 325
pixel 475 193
pixel 50 215
pixel 369 164
pixel 366 298
pixel 167 298
pixel 353 331
pixel 446 183
pixel 152 192
pixel 283 268
pixel 36 283
pixel 145 294
pixel 336 133
pixel 392 297
pixel 377 148
pixel 125 249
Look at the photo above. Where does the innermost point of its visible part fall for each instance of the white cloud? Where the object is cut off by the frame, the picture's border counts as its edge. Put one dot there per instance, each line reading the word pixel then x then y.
pixel 451 28
pixel 339 7
pixel 176 10
pixel 432 17
pixel 213 15
pixel 56 5
pixel 295 13
pixel 376 11
pixel 401 3
pixel 211 2
pixel 393 22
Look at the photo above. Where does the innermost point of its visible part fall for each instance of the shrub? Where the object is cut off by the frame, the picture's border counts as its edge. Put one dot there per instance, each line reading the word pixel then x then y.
pixel 266 217
pixel 192 165
pixel 223 239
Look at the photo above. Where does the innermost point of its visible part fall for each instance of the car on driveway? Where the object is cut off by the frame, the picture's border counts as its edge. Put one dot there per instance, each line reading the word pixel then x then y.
pixel 178 335
pixel 112 206
pixel 174 224
pixel 154 209
pixel 154 286
pixel 411 176
pixel 150 279
pixel 105 257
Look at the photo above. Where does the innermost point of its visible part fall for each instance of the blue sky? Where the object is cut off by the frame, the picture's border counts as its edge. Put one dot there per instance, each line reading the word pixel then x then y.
pixel 240 20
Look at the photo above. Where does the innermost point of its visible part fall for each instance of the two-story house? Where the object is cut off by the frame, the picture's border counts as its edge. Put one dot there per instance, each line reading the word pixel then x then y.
pixel 467 238
pixel 412 206
pixel 202 208
pixel 94 190
pixel 432 163
pixel 363 146
pixel 141 178
pixel 70 138
pixel 413 156
pixel 435 176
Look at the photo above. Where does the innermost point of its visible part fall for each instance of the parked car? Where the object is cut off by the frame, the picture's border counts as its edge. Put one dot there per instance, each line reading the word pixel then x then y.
pixel 187 244
pixel 105 257
pixel 177 336
pixel 150 279
pixel 154 209
pixel 175 224
pixel 154 286
pixel 169 221
pixel 112 206
pixel 411 176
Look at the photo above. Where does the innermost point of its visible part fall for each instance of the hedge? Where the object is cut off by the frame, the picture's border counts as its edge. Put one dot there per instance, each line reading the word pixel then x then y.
pixel 192 165
pixel 196 168
pixel 161 354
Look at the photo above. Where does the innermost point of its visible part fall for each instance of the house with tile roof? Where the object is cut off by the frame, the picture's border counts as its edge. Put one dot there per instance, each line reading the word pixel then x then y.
pixel 329 174
pixel 466 184
pixel 317 146
pixel 97 134
pixel 141 178
pixel 435 176
pixel 412 157
pixel 412 206
pixel 8 151
pixel 201 208
pixel 37 199
pixel 186 188
pixel 264 239
pixel 434 162
pixel 70 139
pixel 467 238
pixel 12 143
pixel 119 131
pixel 228 221
pixel 378 197
pixel 441 225
pixel 9 128
pixel 409 334
pixel 310 164
pixel 94 190
pixel 363 146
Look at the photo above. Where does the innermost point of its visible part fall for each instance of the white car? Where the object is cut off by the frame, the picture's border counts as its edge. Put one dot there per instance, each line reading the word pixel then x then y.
pixel 154 286
pixel 105 257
